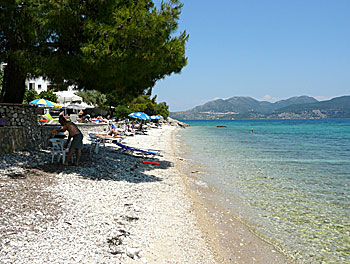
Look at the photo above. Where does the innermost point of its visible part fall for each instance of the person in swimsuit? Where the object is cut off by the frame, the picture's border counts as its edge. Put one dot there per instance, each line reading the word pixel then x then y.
pixel 77 142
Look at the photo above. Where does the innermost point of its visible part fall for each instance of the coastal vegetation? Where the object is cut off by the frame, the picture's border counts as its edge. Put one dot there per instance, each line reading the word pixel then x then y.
pixel 125 105
pixel 31 94
pixel 301 107
pixel 118 48
pixel 95 98
pixel 143 103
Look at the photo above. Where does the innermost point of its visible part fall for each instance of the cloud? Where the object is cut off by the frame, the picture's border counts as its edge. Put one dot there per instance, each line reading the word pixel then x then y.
pixel 322 98
pixel 269 98
pixel 221 98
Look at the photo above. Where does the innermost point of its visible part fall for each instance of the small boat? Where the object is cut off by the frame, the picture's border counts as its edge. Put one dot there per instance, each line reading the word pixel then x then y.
pixel 221 126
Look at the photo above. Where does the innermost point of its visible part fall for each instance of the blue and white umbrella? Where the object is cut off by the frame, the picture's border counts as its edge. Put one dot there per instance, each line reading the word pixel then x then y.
pixel 157 117
pixel 140 115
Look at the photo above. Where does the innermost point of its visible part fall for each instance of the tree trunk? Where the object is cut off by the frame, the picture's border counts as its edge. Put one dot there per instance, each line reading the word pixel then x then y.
pixel 13 88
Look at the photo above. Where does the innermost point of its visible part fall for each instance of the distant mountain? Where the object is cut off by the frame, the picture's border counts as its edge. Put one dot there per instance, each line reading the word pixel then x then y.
pixel 295 100
pixel 246 107
pixel 338 107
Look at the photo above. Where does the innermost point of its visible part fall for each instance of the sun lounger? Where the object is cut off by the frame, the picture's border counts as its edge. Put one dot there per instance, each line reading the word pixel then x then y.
pixel 131 150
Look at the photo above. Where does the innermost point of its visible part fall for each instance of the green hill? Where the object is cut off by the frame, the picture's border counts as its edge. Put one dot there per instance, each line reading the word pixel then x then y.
pixel 239 107
pixel 338 107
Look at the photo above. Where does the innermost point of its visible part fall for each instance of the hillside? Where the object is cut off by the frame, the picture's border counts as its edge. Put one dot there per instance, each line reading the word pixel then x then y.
pixel 246 107
pixel 338 107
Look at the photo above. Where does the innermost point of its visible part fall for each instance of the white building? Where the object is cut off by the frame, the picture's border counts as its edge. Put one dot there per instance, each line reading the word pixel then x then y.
pixel 40 85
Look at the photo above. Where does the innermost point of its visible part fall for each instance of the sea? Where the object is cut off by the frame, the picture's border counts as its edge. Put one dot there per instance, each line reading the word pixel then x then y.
pixel 289 180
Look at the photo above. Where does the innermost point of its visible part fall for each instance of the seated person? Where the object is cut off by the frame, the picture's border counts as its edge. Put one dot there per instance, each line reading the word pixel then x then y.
pixel 113 132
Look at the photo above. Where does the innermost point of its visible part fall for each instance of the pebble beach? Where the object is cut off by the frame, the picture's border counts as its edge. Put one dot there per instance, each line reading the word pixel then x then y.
pixel 110 209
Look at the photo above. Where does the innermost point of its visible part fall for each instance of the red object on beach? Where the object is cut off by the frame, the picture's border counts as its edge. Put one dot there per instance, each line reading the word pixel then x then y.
pixel 150 162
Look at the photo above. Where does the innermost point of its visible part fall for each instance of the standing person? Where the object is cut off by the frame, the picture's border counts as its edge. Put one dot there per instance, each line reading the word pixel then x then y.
pixel 77 142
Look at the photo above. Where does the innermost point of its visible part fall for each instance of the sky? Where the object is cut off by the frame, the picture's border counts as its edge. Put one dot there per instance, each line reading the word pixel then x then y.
pixel 266 49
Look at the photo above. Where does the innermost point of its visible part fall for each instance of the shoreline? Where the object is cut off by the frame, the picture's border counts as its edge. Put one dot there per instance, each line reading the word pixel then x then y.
pixel 231 240
pixel 204 221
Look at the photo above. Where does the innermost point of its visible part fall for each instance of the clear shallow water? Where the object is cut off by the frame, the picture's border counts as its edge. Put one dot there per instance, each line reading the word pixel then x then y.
pixel 291 176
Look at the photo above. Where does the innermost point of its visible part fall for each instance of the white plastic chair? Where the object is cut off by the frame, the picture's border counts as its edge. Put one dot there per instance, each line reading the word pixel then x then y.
pixel 96 142
pixel 58 150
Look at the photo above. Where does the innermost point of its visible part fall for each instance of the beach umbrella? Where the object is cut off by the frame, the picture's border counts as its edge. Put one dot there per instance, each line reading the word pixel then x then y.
pixel 76 106
pixel 44 103
pixel 67 97
pixel 140 115
pixel 157 117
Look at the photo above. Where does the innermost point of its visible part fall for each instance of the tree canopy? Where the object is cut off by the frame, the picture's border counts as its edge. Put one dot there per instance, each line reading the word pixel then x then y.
pixel 113 46
pixel 22 31
pixel 94 98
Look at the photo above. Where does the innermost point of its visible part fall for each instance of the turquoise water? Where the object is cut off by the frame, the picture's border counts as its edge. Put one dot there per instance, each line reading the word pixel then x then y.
pixel 292 178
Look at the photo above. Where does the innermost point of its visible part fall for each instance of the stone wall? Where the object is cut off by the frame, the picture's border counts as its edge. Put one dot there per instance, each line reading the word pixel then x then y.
pixel 20 114
pixel 22 130
pixel 12 139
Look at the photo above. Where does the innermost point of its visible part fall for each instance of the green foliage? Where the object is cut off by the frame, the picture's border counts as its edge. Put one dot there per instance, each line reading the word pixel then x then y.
pixel 133 48
pixel 148 105
pixel 122 111
pixel 48 95
pixel 163 109
pixel 95 98
pixel 114 98
pixel 30 95
pixel 143 103
pixel 24 43
pixel 105 45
